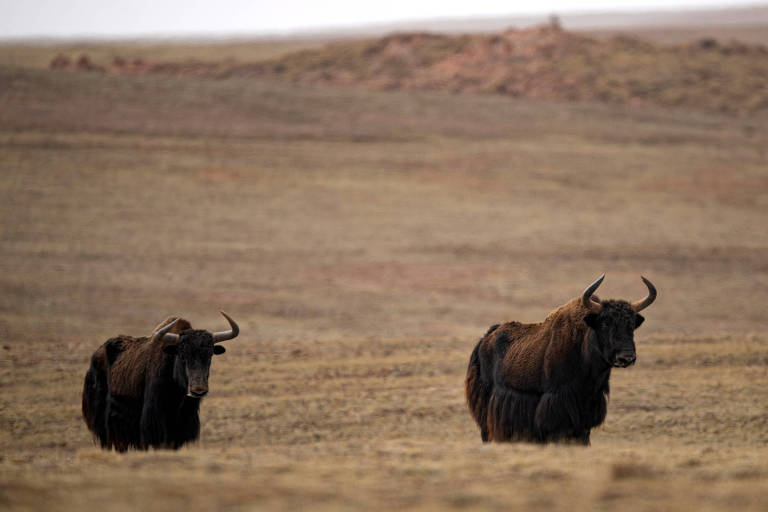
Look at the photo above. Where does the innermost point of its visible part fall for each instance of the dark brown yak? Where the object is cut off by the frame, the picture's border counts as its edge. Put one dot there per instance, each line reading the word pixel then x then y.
pixel 548 382
pixel 145 392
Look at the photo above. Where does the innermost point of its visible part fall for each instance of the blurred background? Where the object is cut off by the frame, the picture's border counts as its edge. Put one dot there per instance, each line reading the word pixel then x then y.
pixel 366 189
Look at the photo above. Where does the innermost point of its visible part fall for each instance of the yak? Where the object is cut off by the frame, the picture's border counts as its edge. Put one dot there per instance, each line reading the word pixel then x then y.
pixel 548 382
pixel 146 392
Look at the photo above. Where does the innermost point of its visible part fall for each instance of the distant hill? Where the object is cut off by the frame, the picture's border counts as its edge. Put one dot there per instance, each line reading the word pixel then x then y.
pixel 546 63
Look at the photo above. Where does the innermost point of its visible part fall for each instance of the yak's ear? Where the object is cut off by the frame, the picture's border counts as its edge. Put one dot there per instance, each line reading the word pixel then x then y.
pixel 218 349
pixel 171 349
pixel 639 319
pixel 591 320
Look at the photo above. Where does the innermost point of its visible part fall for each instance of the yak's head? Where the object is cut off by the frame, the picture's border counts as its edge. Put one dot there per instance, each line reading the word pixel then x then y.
pixel 614 323
pixel 193 350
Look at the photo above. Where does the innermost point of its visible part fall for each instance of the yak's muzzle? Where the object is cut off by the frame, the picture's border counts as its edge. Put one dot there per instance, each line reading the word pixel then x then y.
pixel 197 391
pixel 624 359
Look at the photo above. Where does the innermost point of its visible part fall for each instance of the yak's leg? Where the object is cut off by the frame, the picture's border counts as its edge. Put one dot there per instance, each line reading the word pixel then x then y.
pixel 511 415
pixel 581 437
pixel 153 426
pixel 156 418
pixel 187 425
pixel 122 422
pixel 552 418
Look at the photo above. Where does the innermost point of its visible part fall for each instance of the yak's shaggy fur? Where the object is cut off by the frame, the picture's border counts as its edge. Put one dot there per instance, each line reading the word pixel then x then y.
pixel 136 395
pixel 549 381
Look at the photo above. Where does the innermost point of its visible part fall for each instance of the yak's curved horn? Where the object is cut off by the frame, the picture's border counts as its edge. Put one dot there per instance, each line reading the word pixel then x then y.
pixel 164 334
pixel 586 298
pixel 648 300
pixel 226 335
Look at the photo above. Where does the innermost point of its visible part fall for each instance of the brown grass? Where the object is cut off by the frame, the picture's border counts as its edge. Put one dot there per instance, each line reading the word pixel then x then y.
pixel 364 240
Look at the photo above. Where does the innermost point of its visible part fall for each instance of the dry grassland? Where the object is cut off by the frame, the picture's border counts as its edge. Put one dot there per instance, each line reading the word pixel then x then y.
pixel 364 240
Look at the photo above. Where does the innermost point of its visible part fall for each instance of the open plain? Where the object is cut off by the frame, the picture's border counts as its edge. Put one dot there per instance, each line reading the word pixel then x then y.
pixel 364 240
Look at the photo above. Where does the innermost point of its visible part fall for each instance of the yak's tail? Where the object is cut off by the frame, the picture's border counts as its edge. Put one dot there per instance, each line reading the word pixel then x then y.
pixel 96 390
pixel 95 399
pixel 478 388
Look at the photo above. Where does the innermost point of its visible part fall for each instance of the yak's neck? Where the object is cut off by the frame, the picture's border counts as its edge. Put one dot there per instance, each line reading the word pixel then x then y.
pixel 596 368
pixel 569 316
pixel 567 323
pixel 178 374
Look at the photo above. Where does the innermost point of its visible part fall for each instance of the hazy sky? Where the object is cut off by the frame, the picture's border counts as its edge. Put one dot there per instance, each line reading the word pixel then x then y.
pixel 20 18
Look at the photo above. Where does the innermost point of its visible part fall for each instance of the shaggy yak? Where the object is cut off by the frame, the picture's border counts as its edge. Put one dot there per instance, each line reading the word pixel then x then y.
pixel 548 382
pixel 145 392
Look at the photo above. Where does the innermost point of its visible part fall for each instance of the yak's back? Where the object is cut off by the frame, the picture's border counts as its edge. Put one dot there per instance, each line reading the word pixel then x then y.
pixel 527 350
pixel 518 346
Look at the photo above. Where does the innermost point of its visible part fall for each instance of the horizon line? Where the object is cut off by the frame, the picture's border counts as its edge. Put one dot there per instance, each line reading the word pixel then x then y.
pixel 351 30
